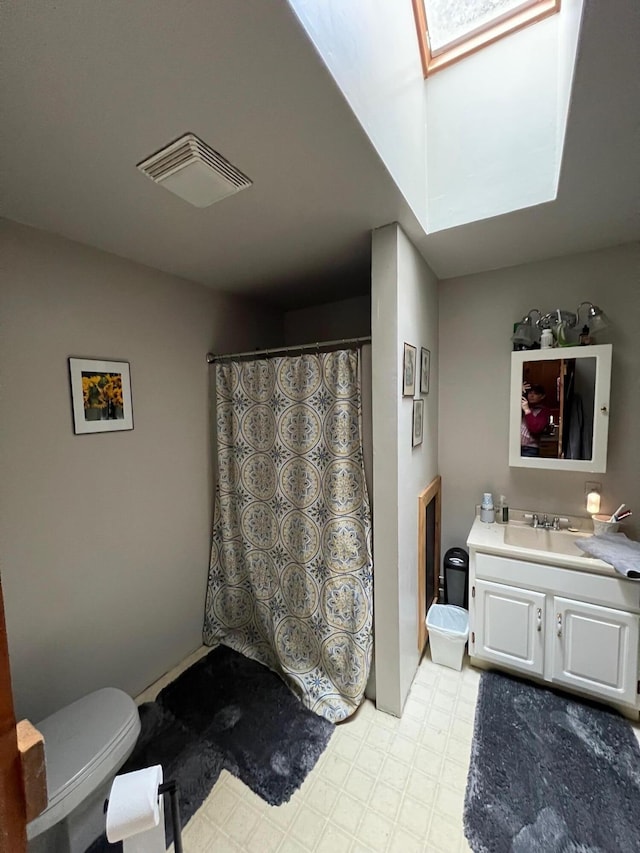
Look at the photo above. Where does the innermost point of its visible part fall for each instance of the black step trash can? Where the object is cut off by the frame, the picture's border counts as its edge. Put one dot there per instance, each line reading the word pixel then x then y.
pixel 456 577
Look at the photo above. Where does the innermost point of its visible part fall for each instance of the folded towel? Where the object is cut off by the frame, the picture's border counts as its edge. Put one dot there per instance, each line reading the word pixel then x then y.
pixel 614 548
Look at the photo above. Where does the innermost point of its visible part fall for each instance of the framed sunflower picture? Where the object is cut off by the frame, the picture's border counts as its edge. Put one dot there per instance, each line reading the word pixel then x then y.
pixel 100 395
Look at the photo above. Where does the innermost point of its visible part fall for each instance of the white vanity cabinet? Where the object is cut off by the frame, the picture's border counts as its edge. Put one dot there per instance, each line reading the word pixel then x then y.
pixel 595 649
pixel 508 626
pixel 573 628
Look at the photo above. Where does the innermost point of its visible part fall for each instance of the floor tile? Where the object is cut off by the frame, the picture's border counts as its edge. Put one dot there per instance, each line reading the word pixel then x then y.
pixel 360 785
pixel 347 813
pixel 415 815
pixel 385 800
pixel 395 773
pixel 290 845
pixel 265 838
pixel 334 841
pixel 241 823
pixel 444 835
pixel 322 795
pixel 402 842
pixel 374 830
pixel 308 826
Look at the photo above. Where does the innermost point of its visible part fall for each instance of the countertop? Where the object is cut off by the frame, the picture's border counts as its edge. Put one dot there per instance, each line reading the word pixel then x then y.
pixel 490 539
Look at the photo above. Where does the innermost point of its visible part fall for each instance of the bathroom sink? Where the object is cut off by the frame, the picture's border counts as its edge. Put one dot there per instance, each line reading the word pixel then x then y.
pixel 539 539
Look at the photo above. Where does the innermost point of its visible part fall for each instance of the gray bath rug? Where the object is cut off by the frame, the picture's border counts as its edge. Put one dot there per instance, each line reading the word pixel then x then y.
pixel 227 712
pixel 550 774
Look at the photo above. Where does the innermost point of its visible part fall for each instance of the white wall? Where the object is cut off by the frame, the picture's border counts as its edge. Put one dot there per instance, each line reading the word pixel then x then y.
pixel 404 309
pixel 477 313
pixel 371 49
pixel 104 538
pixel 496 123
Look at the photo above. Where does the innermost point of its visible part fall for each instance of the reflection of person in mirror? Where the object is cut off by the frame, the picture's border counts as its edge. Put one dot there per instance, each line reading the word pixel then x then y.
pixel 535 419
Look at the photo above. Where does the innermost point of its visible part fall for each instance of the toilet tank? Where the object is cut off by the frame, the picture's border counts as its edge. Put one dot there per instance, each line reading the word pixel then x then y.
pixel 85 744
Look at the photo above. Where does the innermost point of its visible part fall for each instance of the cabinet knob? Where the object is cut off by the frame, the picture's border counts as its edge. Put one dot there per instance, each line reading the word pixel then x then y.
pixel 559 624
pixel 539 619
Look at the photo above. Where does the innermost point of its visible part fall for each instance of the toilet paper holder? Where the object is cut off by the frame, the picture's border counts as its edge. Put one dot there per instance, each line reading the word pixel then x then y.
pixel 170 788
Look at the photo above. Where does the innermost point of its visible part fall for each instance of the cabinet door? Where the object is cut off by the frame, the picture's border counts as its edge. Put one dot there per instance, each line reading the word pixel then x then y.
pixel 509 626
pixel 595 649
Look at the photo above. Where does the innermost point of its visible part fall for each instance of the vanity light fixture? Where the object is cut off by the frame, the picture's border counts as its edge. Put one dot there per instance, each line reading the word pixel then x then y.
pixel 595 318
pixel 528 331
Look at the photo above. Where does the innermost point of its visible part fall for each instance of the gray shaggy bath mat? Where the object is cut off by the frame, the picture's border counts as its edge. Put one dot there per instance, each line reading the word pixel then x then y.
pixel 550 774
pixel 227 712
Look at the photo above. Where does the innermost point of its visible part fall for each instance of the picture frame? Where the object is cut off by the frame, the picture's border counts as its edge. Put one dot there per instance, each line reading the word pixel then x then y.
pixel 425 367
pixel 409 371
pixel 417 422
pixel 100 395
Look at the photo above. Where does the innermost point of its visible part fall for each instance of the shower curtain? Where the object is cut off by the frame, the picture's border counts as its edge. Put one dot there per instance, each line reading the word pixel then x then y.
pixel 290 580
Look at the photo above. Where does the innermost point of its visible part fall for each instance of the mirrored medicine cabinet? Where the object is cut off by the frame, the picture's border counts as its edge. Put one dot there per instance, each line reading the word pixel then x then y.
pixel 559 416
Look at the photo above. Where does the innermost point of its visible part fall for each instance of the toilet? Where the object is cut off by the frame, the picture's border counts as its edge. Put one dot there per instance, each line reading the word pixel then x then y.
pixel 85 745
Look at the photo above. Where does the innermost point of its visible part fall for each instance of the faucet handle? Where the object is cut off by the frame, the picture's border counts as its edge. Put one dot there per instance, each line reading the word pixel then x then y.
pixel 556 522
pixel 535 521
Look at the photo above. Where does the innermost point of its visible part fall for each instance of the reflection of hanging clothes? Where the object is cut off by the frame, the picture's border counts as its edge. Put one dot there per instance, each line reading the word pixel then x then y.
pixel 574 429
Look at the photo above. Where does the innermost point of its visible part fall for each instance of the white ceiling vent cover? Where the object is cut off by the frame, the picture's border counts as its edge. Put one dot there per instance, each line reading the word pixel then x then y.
pixel 195 172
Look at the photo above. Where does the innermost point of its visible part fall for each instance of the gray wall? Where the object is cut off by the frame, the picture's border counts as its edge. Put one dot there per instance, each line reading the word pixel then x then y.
pixel 477 313
pixel 404 309
pixel 105 537
pixel 347 318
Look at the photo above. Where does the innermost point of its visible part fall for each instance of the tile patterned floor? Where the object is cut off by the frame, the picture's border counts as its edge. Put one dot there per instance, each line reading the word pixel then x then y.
pixel 382 784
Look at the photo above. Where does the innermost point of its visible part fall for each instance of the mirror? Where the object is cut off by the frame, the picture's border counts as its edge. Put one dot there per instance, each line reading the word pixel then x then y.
pixel 559 416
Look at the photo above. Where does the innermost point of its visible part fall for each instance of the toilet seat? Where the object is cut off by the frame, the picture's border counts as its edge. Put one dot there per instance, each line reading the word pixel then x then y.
pixel 84 744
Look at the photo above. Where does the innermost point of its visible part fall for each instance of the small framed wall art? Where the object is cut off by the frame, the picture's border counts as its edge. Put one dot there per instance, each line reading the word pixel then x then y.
pixel 425 367
pixel 409 371
pixel 418 421
pixel 100 395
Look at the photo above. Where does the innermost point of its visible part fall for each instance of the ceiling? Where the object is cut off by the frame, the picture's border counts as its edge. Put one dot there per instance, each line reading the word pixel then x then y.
pixel 91 89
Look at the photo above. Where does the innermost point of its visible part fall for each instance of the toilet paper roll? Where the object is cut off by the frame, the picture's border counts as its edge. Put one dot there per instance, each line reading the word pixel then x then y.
pixel 135 814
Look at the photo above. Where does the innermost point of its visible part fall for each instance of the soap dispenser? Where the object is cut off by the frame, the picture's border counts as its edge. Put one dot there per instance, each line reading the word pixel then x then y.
pixel 502 513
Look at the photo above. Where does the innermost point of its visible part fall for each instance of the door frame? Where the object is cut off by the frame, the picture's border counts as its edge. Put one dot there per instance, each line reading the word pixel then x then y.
pixel 13 807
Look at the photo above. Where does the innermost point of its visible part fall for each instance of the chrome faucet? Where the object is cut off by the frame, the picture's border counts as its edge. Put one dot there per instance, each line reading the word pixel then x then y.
pixel 554 524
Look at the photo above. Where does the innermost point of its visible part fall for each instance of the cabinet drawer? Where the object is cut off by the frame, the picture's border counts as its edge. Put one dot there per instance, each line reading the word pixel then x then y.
pixel 572 583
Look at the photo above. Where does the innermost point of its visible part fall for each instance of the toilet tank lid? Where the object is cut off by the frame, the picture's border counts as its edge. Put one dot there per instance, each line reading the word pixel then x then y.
pixel 78 737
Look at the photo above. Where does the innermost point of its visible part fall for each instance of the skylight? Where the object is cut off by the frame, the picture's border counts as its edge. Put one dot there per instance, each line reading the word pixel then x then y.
pixel 449 30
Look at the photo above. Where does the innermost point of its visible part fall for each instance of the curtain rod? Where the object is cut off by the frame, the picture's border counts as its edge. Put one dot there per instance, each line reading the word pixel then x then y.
pixel 211 357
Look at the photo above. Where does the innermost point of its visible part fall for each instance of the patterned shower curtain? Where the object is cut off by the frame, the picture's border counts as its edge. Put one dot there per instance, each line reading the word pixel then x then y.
pixel 290 581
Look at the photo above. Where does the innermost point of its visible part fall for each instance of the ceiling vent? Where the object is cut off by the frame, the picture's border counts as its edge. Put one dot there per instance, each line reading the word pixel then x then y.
pixel 195 172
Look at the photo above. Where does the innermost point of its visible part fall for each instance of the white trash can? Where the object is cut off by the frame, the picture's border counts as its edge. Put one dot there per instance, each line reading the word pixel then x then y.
pixel 448 628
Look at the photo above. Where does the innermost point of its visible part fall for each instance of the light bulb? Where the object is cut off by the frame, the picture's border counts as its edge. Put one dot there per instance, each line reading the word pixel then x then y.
pixel 593 502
